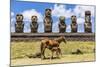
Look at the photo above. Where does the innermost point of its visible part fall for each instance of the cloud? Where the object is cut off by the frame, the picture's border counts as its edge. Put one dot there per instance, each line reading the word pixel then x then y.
pixel 12 14
pixel 41 27
pixel 68 28
pixel 28 13
pixel 27 27
pixel 57 11
pixel 80 20
pixel 80 28
pixel 60 10
pixel 78 10
pixel 12 22
pixel 12 28
pixel 27 19
pixel 13 19
pixel 55 27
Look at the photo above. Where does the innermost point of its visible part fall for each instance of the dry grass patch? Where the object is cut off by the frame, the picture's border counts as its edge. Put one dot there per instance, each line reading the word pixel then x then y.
pixel 21 49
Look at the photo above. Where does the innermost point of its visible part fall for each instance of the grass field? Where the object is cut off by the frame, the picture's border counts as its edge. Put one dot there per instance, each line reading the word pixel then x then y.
pixel 64 59
pixel 19 50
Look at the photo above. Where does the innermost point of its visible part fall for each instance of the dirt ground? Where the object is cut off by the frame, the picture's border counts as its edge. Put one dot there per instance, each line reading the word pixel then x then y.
pixel 63 59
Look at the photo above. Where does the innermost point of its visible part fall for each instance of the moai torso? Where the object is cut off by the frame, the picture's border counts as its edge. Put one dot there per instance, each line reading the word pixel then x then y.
pixel 48 21
pixel 34 24
pixel 62 25
pixel 73 24
pixel 19 26
pixel 87 24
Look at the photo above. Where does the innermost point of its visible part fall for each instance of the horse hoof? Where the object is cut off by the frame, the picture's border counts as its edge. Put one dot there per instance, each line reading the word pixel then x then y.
pixel 52 58
pixel 58 57
pixel 43 58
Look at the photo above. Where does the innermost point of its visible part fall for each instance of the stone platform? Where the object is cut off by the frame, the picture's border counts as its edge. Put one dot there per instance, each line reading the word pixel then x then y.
pixel 40 36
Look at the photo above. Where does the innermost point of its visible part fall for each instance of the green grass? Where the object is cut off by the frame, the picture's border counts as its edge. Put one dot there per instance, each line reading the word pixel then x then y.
pixel 20 49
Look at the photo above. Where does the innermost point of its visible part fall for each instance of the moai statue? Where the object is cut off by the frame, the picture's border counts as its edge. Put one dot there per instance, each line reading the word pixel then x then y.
pixel 34 24
pixel 74 24
pixel 48 21
pixel 87 24
pixel 19 26
pixel 62 25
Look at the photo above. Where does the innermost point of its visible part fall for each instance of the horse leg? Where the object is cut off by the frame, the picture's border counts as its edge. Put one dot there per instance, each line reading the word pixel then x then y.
pixel 60 52
pixel 43 54
pixel 52 54
pixel 57 53
pixel 42 50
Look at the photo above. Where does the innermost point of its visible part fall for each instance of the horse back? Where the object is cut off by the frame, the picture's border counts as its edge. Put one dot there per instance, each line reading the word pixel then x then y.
pixel 53 43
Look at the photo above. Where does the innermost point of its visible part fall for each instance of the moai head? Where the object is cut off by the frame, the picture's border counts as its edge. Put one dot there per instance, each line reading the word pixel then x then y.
pixel 19 17
pixel 87 16
pixel 48 12
pixel 74 24
pixel 73 18
pixel 87 25
pixel 34 18
pixel 62 25
pixel 34 24
pixel 62 19
pixel 19 23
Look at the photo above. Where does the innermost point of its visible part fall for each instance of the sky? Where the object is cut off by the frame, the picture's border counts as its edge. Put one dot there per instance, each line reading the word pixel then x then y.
pixel 58 9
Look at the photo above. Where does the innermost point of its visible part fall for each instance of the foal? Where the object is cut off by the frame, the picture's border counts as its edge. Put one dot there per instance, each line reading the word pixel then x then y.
pixel 57 50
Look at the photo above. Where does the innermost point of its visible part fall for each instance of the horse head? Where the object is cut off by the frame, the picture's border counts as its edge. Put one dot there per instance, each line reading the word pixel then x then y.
pixel 63 39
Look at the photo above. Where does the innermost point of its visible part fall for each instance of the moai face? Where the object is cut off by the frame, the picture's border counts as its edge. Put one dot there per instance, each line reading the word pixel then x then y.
pixel 19 17
pixel 87 16
pixel 48 12
pixel 62 19
pixel 62 25
pixel 73 18
pixel 34 24
pixel 87 24
pixel 19 23
pixel 34 18
pixel 48 21
pixel 74 24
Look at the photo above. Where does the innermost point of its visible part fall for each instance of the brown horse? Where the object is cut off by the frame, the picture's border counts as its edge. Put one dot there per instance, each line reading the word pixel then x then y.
pixel 50 44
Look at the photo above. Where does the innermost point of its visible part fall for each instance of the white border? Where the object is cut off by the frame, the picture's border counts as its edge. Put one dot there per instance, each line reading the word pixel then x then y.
pixel 5 34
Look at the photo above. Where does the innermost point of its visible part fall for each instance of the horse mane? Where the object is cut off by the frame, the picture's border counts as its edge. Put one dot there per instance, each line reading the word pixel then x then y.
pixel 58 39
